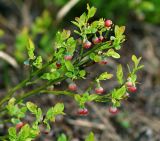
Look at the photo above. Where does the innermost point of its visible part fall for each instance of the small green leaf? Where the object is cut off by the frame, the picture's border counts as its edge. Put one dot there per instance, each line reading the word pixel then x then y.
pixel 12 134
pixel 90 137
pixel 62 137
pixel 91 11
pixel 112 53
pixel 120 74
pixel 117 94
pixel 77 98
pixel 97 58
pixel 51 76
pixel 92 97
pixel 31 48
pixel 69 66
pixel 32 107
pixel 82 73
pixel 105 76
pixel 136 60
pixel 24 133
pixel 58 109
pixel 38 62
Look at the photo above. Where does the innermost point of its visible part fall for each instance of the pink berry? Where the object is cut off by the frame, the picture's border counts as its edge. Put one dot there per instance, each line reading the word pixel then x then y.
pixel 132 89
pixel 129 84
pixel 95 40
pixel 113 110
pixel 99 90
pixel 87 44
pixel 68 57
pixel 72 87
pixel 19 125
pixel 101 38
pixel 108 23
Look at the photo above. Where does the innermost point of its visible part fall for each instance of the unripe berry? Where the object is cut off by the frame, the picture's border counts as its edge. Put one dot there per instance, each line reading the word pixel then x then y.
pixel 87 44
pixel 113 110
pixel 129 84
pixel 68 57
pixel 99 90
pixel 101 38
pixel 108 23
pixel 19 125
pixel 58 65
pixel 132 89
pixel 95 40
pixel 72 87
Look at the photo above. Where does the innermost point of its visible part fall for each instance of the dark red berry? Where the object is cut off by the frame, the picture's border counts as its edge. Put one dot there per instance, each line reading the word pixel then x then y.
pixel 108 23
pixel 95 40
pixel 80 111
pixel 132 89
pixel 87 44
pixel 68 57
pixel 103 61
pixel 113 110
pixel 19 125
pixel 58 65
pixel 129 84
pixel 72 87
pixel 99 90
pixel 101 38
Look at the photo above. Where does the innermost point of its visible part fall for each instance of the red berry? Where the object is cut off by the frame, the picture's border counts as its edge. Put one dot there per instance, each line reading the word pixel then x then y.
pixel 95 40
pixel 19 125
pixel 68 57
pixel 99 90
pixel 72 87
pixel 108 23
pixel 87 44
pixel 103 61
pixel 132 89
pixel 83 112
pixel 101 38
pixel 113 110
pixel 58 64
pixel 129 84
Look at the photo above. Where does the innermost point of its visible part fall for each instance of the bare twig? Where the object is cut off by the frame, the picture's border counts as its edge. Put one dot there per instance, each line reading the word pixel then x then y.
pixel 64 10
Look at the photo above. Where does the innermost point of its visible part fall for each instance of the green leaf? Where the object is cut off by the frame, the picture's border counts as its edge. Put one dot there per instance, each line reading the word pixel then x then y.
pixel 58 109
pixel 54 111
pixel 69 66
pixel 71 45
pixel 82 73
pixel 120 74
pixel 117 94
pixel 77 98
pixel 105 76
pixel 92 97
pixel 12 134
pixel 38 62
pixel 32 107
pixel 62 137
pixel 90 137
pixel 24 133
pixel 51 76
pixel 31 48
pixel 136 60
pixel 112 53
pixel 91 11
pixel 97 58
